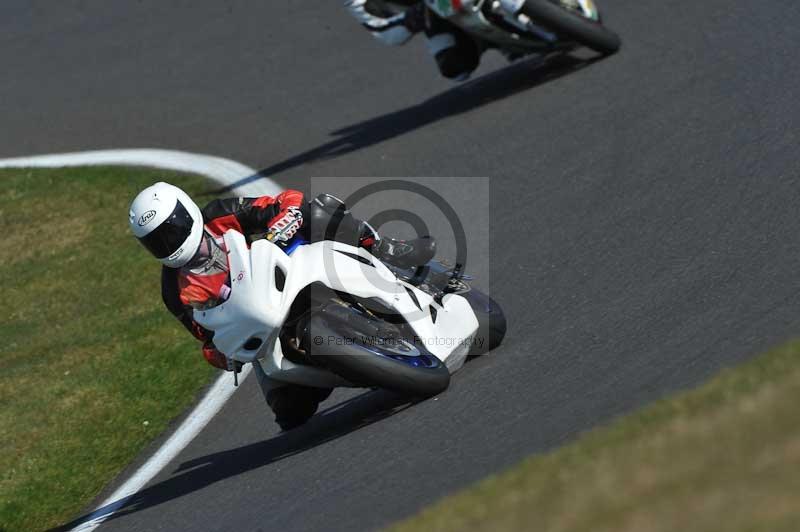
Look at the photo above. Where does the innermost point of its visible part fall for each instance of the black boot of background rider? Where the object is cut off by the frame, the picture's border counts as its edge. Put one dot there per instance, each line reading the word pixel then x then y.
pixel 457 55
pixel 293 404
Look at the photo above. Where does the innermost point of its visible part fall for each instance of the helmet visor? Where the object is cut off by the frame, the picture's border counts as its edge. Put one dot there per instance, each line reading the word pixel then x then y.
pixel 167 238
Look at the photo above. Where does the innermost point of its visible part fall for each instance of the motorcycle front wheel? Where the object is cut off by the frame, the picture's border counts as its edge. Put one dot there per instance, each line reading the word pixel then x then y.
pixel 572 25
pixel 368 352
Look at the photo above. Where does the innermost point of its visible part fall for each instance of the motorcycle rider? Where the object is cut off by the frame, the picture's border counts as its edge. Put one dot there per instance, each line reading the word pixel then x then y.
pixel 188 242
pixel 457 55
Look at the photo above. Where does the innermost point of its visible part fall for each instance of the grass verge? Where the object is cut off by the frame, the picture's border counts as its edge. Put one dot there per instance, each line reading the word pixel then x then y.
pixel 724 457
pixel 92 366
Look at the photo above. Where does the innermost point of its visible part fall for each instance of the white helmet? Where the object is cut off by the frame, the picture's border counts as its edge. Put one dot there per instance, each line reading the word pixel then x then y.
pixel 168 223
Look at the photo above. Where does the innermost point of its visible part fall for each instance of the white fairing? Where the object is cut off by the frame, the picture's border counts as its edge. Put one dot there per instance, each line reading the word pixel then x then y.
pixel 257 309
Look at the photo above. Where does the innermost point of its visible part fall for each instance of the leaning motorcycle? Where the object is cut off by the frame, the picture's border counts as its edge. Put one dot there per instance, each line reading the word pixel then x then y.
pixel 328 314
pixel 521 27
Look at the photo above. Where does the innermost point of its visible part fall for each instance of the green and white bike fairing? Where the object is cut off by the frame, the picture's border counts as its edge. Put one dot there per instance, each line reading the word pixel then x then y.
pixel 470 15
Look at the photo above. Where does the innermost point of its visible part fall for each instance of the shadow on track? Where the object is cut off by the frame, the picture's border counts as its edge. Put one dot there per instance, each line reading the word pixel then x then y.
pixel 491 87
pixel 196 474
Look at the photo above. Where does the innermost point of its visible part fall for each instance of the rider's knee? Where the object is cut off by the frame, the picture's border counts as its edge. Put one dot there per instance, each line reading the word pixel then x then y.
pixel 330 203
pixel 329 219
pixel 455 55
pixel 293 404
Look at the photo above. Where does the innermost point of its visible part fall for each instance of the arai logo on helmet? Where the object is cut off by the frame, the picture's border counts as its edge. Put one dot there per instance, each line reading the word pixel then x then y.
pixel 146 217
pixel 176 254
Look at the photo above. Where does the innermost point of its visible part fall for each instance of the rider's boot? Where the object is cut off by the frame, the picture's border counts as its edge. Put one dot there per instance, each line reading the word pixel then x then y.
pixel 405 253
pixel 330 219
pixel 400 253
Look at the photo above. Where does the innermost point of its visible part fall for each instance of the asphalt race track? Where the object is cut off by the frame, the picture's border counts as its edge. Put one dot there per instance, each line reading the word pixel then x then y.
pixel 644 217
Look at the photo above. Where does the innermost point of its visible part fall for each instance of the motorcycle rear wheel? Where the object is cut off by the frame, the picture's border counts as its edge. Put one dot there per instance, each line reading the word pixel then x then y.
pixel 491 322
pixel 572 25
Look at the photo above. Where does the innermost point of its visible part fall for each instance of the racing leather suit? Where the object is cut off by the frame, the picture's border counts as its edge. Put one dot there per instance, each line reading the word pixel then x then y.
pixel 455 52
pixel 205 282
pixel 184 289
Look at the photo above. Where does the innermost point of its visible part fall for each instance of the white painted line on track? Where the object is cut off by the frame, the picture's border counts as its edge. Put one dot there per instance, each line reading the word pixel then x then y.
pixel 206 409
pixel 224 171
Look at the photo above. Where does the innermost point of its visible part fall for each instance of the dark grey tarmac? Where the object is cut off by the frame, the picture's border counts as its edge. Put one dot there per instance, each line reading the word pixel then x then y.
pixel 644 217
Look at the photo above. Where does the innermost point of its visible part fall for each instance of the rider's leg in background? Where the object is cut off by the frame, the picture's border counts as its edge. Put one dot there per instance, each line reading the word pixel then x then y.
pixel 456 53
pixel 293 404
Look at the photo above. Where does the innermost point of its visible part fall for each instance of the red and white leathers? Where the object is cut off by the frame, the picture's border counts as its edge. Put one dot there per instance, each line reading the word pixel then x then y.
pixel 205 283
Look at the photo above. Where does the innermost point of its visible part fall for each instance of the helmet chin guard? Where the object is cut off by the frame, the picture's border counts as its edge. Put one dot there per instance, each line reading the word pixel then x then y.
pixel 168 223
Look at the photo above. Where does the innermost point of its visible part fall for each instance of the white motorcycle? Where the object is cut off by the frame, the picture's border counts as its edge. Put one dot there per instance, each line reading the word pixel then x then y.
pixel 521 27
pixel 329 314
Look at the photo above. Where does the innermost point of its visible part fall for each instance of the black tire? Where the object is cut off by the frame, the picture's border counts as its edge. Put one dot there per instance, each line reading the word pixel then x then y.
pixel 572 26
pixel 370 364
pixel 491 322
